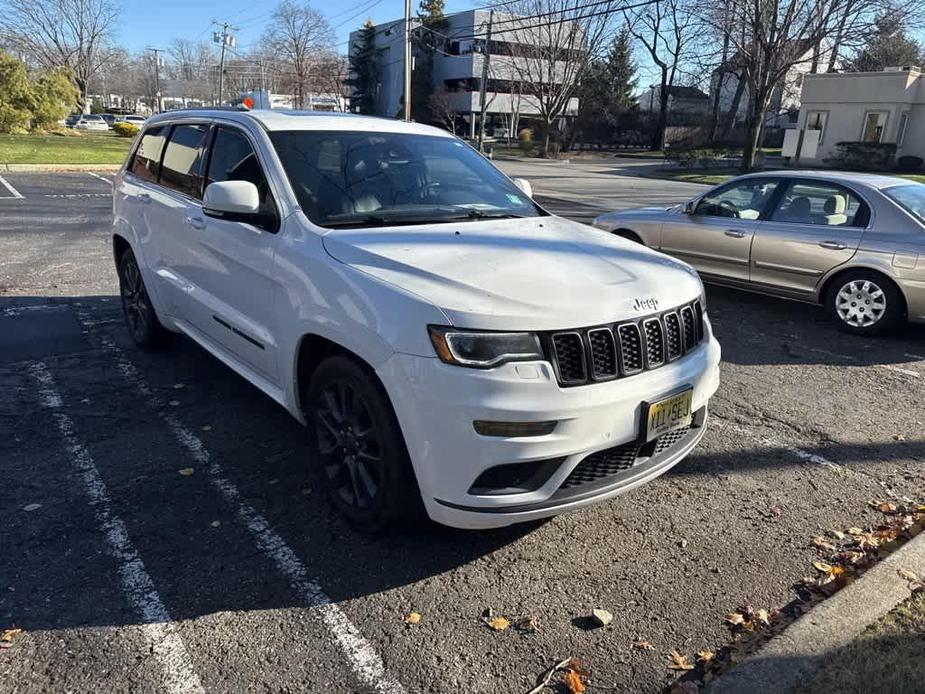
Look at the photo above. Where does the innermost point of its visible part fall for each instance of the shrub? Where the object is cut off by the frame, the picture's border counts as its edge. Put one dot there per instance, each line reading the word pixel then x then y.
pixel 123 129
pixel 53 95
pixel 526 140
pixel 863 156
pixel 702 157
pixel 15 95
pixel 909 163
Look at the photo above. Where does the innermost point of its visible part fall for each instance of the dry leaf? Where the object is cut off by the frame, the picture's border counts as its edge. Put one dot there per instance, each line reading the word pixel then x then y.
pixel 705 656
pixel 679 662
pixel 855 531
pixel 643 645
pixel 207 427
pixel 9 634
pixel 173 403
pixel 910 576
pixel 215 523
pixel 823 544
pixel 186 471
pixel 573 683
pixel 31 507
pixel 822 567
pixel 498 623
pixel 735 619
pixel 413 618
pixel 527 624
pixel 763 617
pixel 179 386
pixel 887 507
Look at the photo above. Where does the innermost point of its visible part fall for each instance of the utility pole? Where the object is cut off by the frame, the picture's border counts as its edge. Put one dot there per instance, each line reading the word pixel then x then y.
pixel 157 77
pixel 226 40
pixel 486 59
pixel 407 60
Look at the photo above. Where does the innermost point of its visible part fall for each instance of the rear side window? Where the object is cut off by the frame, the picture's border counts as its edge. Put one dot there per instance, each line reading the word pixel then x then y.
pixel 233 159
pixel 181 169
pixel 820 203
pixel 147 157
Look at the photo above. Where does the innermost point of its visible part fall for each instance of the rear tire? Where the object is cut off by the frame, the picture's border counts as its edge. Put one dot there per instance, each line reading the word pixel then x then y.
pixel 862 302
pixel 140 318
pixel 358 452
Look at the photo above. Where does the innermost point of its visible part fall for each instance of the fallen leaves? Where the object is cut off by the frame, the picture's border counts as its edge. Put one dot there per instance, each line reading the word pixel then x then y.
pixel 679 662
pixel 705 656
pixel 413 618
pixel 747 618
pixel 186 471
pixel 31 507
pixel 573 677
pixel 493 621
pixel 643 645
pixel 528 625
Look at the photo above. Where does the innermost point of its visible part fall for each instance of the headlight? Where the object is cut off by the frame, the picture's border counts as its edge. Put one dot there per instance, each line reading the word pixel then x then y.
pixel 482 350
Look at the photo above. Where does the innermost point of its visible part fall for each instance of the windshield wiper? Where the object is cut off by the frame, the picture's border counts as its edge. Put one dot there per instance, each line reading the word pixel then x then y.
pixel 378 220
pixel 481 214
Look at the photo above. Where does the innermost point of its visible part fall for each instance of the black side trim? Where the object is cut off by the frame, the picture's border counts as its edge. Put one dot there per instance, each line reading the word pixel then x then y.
pixel 237 332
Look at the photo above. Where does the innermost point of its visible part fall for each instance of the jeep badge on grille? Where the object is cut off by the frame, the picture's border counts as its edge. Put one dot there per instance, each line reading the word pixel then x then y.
pixel 647 304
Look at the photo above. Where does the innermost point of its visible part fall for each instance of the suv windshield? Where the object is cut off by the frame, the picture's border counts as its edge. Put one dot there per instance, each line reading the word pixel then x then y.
pixel 910 197
pixel 365 179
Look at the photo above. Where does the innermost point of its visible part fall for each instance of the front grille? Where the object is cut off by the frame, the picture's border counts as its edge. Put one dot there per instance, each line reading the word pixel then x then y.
pixel 570 357
pixel 605 352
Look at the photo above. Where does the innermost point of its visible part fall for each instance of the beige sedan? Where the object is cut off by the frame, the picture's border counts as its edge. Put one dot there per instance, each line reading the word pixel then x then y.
pixel 852 242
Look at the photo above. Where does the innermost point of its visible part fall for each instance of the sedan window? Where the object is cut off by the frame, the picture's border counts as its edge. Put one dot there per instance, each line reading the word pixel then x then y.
pixel 740 199
pixel 822 203
pixel 910 197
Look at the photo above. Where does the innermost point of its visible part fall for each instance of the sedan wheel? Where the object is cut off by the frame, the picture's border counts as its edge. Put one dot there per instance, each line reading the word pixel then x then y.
pixel 865 303
pixel 860 303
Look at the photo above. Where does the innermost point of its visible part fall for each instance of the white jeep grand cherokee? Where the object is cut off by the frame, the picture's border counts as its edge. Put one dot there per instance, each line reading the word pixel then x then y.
pixel 449 344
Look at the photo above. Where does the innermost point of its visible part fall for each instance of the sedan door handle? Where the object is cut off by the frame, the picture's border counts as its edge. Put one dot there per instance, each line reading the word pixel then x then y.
pixel 735 233
pixel 196 222
pixel 833 245
pixel 143 197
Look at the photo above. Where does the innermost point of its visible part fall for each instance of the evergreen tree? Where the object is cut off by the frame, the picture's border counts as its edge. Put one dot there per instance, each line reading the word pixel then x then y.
pixel 887 46
pixel 621 69
pixel 364 71
pixel 606 91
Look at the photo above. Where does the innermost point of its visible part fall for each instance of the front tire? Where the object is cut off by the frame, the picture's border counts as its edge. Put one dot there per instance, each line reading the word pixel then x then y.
pixel 140 318
pixel 865 303
pixel 359 454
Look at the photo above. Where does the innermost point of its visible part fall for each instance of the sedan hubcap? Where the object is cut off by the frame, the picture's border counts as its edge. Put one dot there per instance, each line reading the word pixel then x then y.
pixel 349 445
pixel 860 303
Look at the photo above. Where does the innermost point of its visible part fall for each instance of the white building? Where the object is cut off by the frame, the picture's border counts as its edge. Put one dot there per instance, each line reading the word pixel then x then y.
pixel 457 69
pixel 886 106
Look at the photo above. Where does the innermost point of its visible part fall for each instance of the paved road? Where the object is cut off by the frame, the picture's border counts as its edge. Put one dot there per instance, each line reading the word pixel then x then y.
pixel 131 576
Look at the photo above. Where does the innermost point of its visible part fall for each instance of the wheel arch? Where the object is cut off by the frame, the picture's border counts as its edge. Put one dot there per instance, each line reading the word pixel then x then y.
pixel 120 244
pixel 826 285
pixel 628 234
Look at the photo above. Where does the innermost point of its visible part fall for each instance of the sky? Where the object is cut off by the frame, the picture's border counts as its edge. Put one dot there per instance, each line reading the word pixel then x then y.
pixel 146 24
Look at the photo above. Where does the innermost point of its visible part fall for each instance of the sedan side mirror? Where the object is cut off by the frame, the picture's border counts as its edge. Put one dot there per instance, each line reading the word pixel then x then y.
pixel 689 207
pixel 524 186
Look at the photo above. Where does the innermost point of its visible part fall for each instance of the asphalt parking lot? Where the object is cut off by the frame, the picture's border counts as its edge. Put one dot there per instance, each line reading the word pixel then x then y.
pixel 160 531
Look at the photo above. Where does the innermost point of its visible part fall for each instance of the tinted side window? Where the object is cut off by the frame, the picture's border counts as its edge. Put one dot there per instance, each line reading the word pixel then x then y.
pixel 147 157
pixel 182 165
pixel 233 159
pixel 818 202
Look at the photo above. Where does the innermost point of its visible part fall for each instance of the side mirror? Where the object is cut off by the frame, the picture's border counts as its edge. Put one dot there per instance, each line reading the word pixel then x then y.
pixel 524 186
pixel 230 199
pixel 689 207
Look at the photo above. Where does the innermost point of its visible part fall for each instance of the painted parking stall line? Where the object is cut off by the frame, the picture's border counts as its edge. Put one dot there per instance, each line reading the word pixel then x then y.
pixel 365 663
pixel 158 628
pixel 102 178
pixel 13 192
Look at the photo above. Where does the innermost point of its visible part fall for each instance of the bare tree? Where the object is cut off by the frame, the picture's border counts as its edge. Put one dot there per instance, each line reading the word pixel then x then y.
pixel 296 33
pixel 441 107
pixel 666 29
pixel 72 34
pixel 331 78
pixel 550 43
pixel 772 36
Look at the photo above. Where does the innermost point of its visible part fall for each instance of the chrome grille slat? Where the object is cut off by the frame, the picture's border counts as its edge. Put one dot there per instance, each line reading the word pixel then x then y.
pixel 606 352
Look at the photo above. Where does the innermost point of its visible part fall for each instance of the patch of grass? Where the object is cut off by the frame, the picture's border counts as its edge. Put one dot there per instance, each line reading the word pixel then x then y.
pixel 85 148
pixel 918 178
pixel 888 657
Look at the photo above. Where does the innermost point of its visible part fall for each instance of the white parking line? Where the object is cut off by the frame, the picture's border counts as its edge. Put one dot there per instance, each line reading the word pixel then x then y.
pixel 15 193
pixel 773 443
pixel 102 178
pixel 914 356
pixel 157 628
pixel 365 662
pixel 885 367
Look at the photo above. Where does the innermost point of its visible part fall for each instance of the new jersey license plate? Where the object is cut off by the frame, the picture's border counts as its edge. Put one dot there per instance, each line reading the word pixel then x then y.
pixel 669 413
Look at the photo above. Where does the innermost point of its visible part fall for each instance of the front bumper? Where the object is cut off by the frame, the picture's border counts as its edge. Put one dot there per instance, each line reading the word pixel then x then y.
pixel 436 405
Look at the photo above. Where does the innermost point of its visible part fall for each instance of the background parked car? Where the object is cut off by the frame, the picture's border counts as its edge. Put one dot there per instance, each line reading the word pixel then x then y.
pixel 91 121
pixel 852 242
pixel 110 118
pixel 71 120
pixel 133 119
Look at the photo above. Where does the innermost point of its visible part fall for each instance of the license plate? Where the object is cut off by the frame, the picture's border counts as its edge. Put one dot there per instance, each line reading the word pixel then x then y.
pixel 668 414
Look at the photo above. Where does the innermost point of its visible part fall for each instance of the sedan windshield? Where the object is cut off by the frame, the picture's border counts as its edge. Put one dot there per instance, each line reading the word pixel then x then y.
pixel 364 179
pixel 910 197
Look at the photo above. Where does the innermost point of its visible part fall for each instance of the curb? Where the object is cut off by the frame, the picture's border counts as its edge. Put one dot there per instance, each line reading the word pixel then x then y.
pixel 804 646
pixel 59 168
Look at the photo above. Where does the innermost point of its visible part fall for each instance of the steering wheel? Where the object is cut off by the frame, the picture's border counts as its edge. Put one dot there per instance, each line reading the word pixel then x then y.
pixel 727 205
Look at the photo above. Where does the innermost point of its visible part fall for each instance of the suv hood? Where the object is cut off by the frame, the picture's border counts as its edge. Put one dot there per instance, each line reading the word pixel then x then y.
pixel 543 273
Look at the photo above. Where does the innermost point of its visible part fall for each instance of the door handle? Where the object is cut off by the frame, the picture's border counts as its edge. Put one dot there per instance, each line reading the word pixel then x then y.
pixel 735 233
pixel 833 245
pixel 196 222
pixel 144 198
